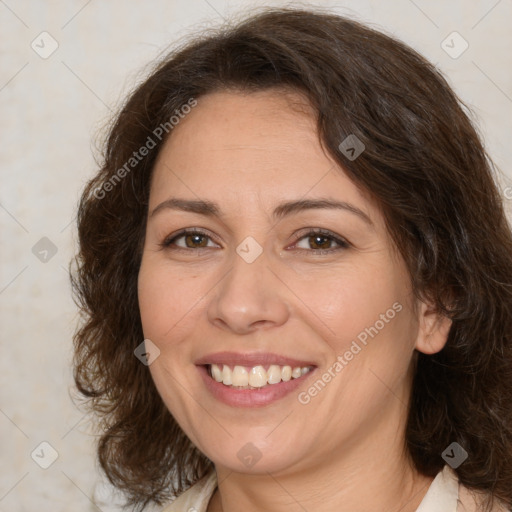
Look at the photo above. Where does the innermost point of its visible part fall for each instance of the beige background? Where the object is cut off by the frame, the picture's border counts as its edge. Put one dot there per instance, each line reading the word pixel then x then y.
pixel 52 108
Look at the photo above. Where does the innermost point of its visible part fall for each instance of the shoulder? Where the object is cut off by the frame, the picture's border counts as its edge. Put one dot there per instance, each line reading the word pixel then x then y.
pixel 197 497
pixel 447 493
pixel 472 501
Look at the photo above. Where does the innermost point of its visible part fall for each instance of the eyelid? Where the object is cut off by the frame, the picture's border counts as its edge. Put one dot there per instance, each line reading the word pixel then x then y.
pixel 342 243
pixel 184 232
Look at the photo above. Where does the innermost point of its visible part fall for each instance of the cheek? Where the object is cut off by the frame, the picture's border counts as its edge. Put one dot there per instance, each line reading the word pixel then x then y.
pixel 369 328
pixel 169 307
pixel 348 301
pixel 166 299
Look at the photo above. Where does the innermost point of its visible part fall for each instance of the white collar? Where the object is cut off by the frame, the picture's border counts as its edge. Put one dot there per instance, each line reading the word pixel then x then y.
pixel 443 493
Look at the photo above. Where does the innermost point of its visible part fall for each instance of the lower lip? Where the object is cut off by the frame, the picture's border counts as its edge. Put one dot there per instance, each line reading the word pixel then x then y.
pixel 258 397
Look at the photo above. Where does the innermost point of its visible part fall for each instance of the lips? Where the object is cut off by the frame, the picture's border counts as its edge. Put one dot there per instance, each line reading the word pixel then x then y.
pixel 254 397
pixel 252 359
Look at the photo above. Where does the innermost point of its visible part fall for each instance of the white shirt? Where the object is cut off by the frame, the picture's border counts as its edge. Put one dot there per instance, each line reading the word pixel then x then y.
pixel 445 494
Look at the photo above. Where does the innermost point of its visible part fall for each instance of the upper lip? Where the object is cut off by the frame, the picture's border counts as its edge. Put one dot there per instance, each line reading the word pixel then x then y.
pixel 251 359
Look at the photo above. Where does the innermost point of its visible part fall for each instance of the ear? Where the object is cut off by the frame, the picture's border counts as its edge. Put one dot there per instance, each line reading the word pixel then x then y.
pixel 433 329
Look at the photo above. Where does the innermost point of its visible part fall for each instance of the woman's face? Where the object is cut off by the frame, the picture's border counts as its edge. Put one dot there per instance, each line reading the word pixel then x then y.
pixel 256 288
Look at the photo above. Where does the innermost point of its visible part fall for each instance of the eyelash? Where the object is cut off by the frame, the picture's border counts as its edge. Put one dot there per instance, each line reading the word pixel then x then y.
pixel 342 244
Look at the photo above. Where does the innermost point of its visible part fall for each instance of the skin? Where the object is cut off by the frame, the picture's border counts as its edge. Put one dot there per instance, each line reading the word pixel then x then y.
pixel 344 450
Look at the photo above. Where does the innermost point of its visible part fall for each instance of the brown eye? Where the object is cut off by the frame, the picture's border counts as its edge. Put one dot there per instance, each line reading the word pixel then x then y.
pixel 192 239
pixel 321 241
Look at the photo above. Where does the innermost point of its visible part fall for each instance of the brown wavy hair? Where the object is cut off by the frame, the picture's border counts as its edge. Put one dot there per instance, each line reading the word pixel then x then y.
pixel 427 170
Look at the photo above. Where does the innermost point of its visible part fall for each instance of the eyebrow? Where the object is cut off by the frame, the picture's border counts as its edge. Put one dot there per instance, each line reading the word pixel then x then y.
pixel 211 209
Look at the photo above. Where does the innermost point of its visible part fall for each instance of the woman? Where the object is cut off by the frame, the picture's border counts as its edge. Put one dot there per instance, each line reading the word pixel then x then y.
pixel 296 276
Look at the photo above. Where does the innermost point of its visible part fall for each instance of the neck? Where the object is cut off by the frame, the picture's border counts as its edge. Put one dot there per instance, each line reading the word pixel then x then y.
pixel 374 473
pixel 366 491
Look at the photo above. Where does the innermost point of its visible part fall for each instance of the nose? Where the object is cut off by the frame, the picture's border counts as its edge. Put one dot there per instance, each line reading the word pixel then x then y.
pixel 250 296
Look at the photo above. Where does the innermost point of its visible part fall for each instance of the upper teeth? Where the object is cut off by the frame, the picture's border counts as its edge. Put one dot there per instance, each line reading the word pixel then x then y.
pixel 257 376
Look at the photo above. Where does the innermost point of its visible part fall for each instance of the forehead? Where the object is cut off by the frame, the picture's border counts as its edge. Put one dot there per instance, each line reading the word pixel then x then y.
pixel 273 121
pixel 237 147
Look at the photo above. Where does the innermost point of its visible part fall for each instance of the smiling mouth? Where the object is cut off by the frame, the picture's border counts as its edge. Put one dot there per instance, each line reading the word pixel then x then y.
pixel 255 377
